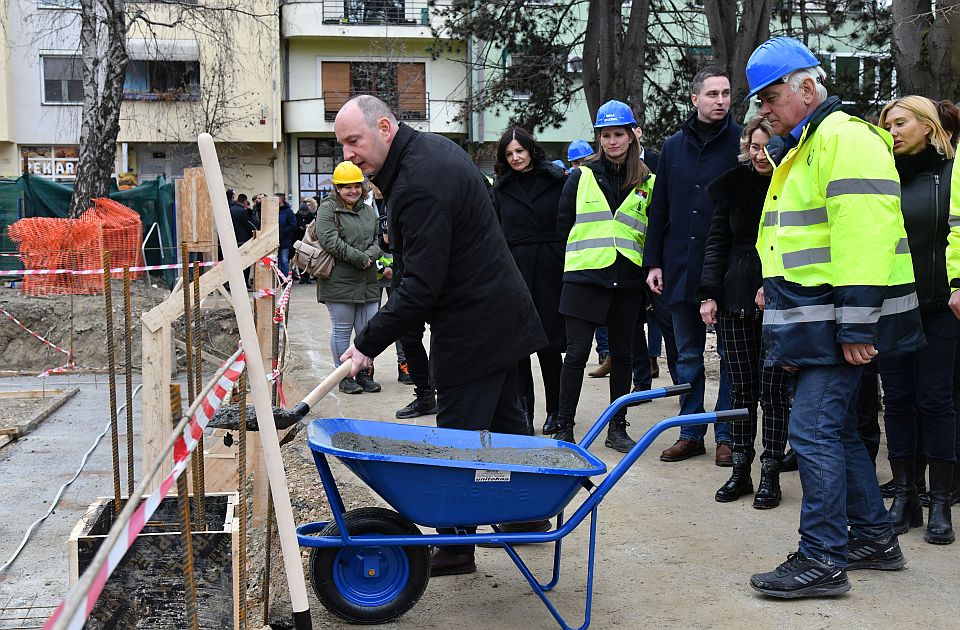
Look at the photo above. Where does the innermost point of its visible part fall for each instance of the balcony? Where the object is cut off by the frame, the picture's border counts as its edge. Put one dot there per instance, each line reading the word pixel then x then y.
pixel 407 105
pixel 357 18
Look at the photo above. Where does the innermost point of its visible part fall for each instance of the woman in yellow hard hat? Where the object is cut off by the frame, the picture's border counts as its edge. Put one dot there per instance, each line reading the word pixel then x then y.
pixel 346 227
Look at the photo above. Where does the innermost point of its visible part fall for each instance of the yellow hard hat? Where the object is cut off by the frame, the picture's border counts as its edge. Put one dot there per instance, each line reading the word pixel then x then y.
pixel 347 173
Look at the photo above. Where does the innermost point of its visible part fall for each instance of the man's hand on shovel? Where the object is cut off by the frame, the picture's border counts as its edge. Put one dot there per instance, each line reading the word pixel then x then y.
pixel 360 360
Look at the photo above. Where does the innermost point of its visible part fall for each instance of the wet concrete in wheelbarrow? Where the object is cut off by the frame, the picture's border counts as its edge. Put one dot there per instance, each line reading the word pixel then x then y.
pixel 544 457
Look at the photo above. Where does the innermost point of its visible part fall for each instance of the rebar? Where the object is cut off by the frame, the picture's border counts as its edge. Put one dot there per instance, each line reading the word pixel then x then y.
pixel 242 483
pixel 128 351
pixel 186 542
pixel 201 497
pixel 112 370
pixel 268 554
pixel 275 362
pixel 191 383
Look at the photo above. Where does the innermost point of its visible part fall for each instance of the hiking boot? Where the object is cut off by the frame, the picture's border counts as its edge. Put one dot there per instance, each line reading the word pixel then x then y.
pixel 350 386
pixel 740 483
pixel 552 424
pixel 422 405
pixel 403 374
pixel 603 370
pixel 365 380
pixel 617 437
pixel 801 576
pixel 768 492
pixel 564 432
pixel 872 554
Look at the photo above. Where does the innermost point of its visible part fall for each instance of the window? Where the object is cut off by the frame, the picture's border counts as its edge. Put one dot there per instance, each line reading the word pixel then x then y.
pixel 58 4
pixel 160 80
pixel 402 86
pixel 56 162
pixel 519 74
pixel 62 79
pixel 316 158
pixel 860 79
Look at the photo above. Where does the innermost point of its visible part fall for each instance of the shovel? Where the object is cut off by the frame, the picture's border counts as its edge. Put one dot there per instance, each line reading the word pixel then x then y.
pixel 228 416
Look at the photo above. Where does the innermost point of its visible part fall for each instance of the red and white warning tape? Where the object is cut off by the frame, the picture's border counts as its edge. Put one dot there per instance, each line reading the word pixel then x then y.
pixel 184 446
pixel 87 272
pixel 63 368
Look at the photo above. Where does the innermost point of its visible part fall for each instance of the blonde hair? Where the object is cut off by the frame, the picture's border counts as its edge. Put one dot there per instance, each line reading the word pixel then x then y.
pixel 757 122
pixel 926 112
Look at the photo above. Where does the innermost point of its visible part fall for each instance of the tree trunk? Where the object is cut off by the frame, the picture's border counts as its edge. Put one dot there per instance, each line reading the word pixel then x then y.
pixel 614 61
pixel 635 49
pixel 926 48
pixel 103 39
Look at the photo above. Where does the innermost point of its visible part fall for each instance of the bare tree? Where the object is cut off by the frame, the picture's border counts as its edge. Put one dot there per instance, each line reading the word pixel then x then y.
pixel 926 47
pixel 736 29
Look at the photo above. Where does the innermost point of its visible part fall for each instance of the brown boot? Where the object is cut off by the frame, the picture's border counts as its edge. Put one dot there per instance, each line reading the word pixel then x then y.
pixel 603 370
pixel 683 449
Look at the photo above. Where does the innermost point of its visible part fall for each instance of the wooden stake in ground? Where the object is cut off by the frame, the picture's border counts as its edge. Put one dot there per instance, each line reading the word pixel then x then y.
pixel 258 385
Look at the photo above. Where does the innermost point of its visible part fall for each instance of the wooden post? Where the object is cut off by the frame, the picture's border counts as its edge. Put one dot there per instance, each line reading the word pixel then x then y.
pixel 263 278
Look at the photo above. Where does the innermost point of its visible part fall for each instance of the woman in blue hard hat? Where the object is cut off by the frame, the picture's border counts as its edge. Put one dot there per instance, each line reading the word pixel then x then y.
pixel 346 227
pixel 525 194
pixel 603 218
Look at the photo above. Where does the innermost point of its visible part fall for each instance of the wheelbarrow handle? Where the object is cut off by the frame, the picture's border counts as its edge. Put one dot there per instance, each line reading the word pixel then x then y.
pixel 324 388
pixel 733 415
pixel 630 400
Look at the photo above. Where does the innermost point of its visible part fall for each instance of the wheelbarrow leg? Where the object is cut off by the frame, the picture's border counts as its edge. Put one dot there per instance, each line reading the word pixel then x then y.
pixel 556 559
pixel 541 591
pixel 333 494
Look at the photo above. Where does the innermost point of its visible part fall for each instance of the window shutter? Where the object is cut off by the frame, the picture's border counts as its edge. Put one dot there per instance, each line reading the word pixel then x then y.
pixel 336 84
pixel 412 90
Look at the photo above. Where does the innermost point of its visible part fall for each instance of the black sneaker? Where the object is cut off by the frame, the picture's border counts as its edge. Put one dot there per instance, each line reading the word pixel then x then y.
pixel 403 374
pixel 350 386
pixel 801 576
pixel 869 554
pixel 564 433
pixel 365 381
pixel 421 406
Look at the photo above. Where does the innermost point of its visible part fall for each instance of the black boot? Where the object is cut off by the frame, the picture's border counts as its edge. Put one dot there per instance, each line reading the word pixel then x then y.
pixel 617 437
pixel 365 380
pixel 789 461
pixel 526 408
pixel 552 424
pixel 739 483
pixel 423 405
pixel 768 492
pixel 886 489
pixel 350 386
pixel 939 527
pixel 905 511
pixel 955 496
pixel 564 431
pixel 403 373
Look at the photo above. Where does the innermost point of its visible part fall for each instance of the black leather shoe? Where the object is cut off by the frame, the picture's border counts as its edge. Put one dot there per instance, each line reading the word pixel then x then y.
pixel 442 562
pixel 564 432
pixel 424 405
pixel 739 483
pixel 789 461
pixel 768 492
pixel 551 425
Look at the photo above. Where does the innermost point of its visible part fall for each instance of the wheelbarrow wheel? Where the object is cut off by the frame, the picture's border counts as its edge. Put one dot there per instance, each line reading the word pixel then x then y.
pixel 370 584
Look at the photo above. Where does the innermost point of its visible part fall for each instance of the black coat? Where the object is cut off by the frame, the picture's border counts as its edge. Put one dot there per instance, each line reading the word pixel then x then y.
pixel 731 266
pixel 526 204
pixel 458 274
pixel 243 223
pixel 925 204
pixel 680 210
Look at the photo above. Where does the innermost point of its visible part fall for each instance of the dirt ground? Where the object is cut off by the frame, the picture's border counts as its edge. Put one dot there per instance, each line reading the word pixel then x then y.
pixel 668 555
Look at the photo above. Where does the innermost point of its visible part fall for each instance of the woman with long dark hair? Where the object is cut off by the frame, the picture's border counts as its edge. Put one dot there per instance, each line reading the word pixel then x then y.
pixel 918 387
pixel 603 217
pixel 728 289
pixel 526 193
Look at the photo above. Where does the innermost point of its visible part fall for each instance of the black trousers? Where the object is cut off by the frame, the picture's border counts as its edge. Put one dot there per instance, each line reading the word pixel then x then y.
pixel 751 383
pixel 418 364
pixel 621 321
pixel 551 362
pixel 490 404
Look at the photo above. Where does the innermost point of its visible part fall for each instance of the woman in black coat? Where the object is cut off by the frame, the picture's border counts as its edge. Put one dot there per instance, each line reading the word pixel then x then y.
pixel 728 296
pixel 918 387
pixel 525 194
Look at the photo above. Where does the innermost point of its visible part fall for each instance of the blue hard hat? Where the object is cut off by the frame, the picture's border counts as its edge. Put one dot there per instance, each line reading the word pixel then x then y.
pixel 579 149
pixel 560 164
pixel 614 114
pixel 775 59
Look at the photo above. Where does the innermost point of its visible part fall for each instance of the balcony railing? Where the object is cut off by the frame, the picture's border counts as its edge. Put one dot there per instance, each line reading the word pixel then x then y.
pixel 394 12
pixel 406 105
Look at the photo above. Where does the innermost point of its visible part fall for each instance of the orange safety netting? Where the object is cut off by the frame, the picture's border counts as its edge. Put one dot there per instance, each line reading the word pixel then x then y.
pixel 76 245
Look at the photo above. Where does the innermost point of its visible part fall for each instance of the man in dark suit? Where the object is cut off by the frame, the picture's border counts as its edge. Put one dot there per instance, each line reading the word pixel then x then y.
pixel 706 145
pixel 458 276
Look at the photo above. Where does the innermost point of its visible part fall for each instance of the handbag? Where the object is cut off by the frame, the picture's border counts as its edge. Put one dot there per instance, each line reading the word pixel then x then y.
pixel 311 256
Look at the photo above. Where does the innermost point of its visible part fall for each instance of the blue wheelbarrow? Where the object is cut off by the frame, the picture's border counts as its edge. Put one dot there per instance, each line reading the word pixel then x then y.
pixel 371 565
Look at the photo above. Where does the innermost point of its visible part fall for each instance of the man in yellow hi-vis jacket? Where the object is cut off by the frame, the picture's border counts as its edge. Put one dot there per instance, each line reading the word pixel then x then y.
pixel 838 290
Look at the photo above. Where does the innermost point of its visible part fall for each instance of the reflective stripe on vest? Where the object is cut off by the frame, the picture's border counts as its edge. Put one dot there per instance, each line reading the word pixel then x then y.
pixel 599 234
pixel 842 315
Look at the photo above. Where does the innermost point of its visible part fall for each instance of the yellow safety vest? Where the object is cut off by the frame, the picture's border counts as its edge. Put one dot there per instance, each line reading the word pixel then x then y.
pixel 598 233
pixel 953 238
pixel 832 213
